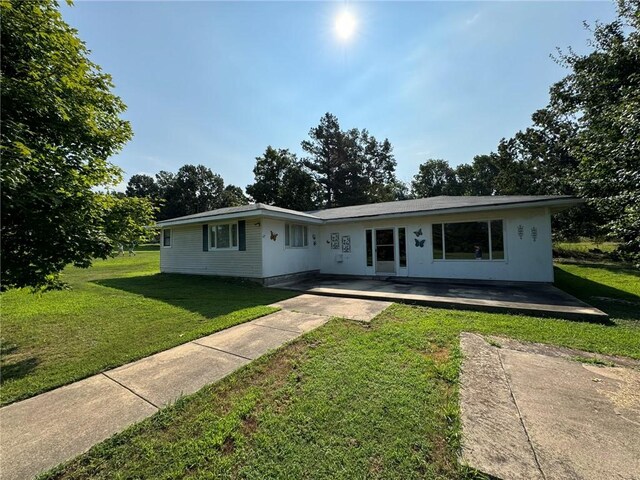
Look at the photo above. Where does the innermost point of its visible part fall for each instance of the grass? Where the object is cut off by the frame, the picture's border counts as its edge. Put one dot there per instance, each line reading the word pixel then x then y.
pixel 586 246
pixel 346 400
pixel 593 361
pixel 117 311
pixel 614 289
pixel 586 250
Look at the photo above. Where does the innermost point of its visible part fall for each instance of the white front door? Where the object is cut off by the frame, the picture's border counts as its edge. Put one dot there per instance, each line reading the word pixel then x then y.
pixel 385 251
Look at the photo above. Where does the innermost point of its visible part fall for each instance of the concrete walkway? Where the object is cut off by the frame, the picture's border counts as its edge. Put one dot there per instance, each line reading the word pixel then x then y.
pixel 41 432
pixel 530 411
pixel 501 297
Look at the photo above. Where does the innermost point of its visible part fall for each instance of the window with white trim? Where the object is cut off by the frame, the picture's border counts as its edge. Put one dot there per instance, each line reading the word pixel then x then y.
pixel 223 236
pixel 482 240
pixel 166 237
pixel 296 236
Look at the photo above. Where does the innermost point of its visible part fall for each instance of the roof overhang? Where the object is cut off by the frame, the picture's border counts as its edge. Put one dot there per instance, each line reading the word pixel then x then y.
pixel 555 206
pixel 259 212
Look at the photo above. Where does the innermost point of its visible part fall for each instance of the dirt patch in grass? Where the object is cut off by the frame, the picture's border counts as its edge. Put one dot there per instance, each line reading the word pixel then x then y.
pixel 440 354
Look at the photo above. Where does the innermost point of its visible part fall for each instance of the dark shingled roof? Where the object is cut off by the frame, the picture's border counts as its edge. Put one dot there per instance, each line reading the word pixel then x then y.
pixel 431 204
pixel 401 207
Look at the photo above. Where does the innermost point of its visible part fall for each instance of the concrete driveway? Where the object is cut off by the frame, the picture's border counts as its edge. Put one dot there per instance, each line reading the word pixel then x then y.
pixel 533 411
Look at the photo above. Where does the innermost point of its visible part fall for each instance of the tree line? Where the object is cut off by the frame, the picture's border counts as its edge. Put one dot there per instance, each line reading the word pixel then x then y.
pixel 343 168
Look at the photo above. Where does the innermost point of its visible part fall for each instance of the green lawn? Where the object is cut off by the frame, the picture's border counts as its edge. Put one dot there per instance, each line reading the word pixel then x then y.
pixel 117 311
pixel 348 400
pixel 612 288
pixel 585 246
pixel 586 250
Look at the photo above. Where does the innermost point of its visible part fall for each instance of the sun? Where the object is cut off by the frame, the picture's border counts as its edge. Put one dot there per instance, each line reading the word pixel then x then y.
pixel 345 25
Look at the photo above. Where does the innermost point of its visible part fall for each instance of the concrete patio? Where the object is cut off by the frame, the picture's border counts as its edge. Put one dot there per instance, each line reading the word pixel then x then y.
pixel 502 297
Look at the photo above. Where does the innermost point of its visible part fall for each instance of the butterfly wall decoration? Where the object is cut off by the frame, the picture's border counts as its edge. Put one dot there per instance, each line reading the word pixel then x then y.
pixel 274 236
pixel 418 233
pixel 420 243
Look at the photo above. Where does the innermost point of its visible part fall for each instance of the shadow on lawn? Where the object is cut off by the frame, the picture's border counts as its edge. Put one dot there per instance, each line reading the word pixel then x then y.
pixel 617 303
pixel 19 369
pixel 208 296
pixel 13 370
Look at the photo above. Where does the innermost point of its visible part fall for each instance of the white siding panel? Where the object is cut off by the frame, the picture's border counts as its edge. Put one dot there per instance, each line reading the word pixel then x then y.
pixel 281 260
pixel 186 255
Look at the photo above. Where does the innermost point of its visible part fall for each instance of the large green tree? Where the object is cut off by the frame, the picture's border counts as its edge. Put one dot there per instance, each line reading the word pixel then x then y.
pixel 128 220
pixel 195 189
pixel 281 180
pixel 143 186
pixel 434 177
pixel 233 196
pixel 601 97
pixel 60 125
pixel 351 167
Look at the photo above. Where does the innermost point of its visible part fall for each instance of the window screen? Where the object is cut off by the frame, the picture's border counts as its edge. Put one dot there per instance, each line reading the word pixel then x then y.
pixel 402 245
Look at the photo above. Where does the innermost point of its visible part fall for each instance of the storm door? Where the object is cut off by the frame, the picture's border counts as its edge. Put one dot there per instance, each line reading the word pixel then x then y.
pixel 385 251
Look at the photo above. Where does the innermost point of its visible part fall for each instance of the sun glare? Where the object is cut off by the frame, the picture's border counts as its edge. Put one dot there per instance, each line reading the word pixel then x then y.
pixel 345 25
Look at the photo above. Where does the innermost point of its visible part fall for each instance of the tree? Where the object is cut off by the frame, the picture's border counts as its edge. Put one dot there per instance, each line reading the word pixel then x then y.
pixel 233 196
pixel 299 190
pixel 351 167
pixel 485 171
pixel 380 168
pixel 328 156
pixel 193 189
pixel 468 181
pixel 601 98
pixel 60 124
pixel 434 177
pixel 143 186
pixel 281 180
pixel 128 220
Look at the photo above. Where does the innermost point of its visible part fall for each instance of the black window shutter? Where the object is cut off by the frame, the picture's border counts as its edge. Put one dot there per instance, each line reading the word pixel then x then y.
pixel 242 235
pixel 205 238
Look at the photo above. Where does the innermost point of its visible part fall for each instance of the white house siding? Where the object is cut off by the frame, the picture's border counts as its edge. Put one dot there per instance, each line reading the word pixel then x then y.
pixel 186 255
pixel 525 259
pixel 280 260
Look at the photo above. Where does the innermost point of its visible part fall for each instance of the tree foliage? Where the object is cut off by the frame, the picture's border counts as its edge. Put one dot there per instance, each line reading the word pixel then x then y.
pixel 601 97
pixel 351 167
pixel 60 124
pixel 192 189
pixel 128 220
pixel 233 196
pixel 283 181
pixel 143 186
pixel 435 177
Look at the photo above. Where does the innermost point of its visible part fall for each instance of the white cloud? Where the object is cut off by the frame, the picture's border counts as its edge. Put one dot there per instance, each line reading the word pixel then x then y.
pixel 471 20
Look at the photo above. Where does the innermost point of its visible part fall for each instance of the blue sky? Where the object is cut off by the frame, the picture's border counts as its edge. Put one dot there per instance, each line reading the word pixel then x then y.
pixel 216 82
